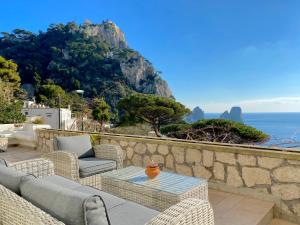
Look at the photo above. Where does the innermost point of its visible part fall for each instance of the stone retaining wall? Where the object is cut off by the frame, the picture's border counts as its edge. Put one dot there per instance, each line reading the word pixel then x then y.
pixel 269 174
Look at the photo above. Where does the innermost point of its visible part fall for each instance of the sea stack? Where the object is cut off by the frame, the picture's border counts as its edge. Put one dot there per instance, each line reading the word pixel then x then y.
pixel 195 115
pixel 235 114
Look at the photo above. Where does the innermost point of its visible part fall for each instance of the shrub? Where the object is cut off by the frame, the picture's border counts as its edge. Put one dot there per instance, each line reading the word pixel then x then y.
pixel 38 121
pixel 216 130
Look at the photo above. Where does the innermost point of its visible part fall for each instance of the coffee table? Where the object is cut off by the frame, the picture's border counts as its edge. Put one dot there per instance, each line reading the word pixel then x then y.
pixel 160 193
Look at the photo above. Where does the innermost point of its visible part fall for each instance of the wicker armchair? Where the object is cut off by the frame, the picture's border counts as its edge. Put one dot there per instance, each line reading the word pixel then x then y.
pixel 38 167
pixel 66 163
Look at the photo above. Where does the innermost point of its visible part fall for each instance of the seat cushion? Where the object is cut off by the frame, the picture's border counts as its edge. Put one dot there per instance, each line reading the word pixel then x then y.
pixel 67 205
pixel 10 178
pixel 81 145
pixel 131 213
pixel 91 166
pixel 110 201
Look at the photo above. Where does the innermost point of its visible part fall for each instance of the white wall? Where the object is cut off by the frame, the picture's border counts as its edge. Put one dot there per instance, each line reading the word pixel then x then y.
pixel 51 116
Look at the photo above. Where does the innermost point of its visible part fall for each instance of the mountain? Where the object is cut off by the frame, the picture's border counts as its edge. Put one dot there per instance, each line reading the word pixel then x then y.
pixel 92 57
pixel 235 114
pixel 195 115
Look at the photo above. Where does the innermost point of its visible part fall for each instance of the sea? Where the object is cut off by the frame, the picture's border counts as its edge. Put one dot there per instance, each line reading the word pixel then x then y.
pixel 283 128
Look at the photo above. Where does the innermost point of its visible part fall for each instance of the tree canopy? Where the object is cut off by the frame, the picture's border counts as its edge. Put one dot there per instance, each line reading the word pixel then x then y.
pixel 10 107
pixel 151 109
pixel 100 111
pixel 215 130
pixel 9 73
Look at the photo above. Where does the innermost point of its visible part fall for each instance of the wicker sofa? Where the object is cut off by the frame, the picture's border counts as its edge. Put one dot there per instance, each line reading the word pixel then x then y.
pixel 15 210
pixel 75 158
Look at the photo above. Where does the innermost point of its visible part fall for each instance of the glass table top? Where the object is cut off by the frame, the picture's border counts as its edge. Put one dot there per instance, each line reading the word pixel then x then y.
pixel 165 181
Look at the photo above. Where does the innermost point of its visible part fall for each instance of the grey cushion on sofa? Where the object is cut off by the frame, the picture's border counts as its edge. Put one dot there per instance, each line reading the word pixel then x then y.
pixel 131 213
pixel 81 145
pixel 120 211
pixel 67 205
pixel 3 162
pixel 91 166
pixel 110 200
pixel 10 178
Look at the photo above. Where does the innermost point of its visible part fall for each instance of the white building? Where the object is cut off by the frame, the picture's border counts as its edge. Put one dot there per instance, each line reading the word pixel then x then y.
pixel 56 118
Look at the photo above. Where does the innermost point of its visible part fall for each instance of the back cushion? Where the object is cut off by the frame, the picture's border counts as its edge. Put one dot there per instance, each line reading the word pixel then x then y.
pixel 66 205
pixel 10 178
pixel 3 162
pixel 81 145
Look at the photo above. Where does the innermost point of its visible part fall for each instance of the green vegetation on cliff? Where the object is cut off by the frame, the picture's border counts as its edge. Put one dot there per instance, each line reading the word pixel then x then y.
pixel 92 57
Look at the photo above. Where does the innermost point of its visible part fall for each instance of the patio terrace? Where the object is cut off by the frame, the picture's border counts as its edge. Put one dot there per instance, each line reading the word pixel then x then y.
pixel 229 208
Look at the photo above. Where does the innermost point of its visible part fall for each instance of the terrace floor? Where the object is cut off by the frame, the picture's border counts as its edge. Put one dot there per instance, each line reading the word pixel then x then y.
pixel 229 209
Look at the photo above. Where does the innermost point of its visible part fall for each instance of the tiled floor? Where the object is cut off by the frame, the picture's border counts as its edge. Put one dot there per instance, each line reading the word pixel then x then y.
pixel 229 209
pixel 15 154
pixel 232 209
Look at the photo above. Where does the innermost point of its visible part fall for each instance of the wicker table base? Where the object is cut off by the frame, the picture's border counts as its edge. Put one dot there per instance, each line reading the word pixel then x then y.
pixel 160 193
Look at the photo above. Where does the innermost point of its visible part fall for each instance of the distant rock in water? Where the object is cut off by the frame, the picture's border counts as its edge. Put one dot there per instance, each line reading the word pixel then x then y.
pixel 225 115
pixel 234 115
pixel 195 115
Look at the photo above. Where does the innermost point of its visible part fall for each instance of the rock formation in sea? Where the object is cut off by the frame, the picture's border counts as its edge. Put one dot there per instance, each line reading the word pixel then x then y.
pixel 195 115
pixel 235 114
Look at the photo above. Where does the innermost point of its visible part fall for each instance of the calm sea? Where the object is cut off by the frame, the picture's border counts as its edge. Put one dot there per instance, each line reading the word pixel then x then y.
pixel 283 128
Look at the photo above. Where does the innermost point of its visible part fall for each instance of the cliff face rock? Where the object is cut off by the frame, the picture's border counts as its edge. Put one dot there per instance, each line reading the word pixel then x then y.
pixel 195 115
pixel 138 71
pixel 142 75
pixel 106 31
pixel 235 114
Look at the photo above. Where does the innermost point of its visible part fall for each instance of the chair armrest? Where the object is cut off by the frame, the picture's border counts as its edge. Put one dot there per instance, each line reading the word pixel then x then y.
pixel 16 210
pixel 38 167
pixel 107 151
pixel 189 211
pixel 65 164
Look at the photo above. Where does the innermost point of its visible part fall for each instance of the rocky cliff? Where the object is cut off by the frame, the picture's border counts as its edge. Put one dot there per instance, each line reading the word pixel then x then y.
pixel 92 57
pixel 235 114
pixel 195 115
pixel 139 71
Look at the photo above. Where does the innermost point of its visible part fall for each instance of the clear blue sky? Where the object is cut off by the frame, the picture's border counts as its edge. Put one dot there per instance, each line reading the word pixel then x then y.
pixel 213 53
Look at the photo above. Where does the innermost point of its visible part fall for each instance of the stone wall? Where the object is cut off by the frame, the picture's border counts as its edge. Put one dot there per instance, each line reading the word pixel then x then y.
pixel 269 174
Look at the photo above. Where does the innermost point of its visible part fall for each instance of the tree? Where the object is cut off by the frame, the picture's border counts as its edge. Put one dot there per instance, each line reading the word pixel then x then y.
pixel 53 96
pixel 9 73
pixel 216 130
pixel 10 108
pixel 101 111
pixel 151 109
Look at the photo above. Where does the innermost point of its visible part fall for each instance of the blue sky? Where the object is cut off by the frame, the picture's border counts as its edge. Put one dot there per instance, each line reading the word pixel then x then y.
pixel 213 53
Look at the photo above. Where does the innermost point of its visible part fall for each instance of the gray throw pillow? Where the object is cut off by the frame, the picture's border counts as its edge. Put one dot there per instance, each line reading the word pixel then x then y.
pixel 69 206
pixel 10 178
pixel 81 145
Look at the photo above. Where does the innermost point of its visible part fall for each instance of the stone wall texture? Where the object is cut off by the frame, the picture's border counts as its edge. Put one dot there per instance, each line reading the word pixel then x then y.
pixel 269 174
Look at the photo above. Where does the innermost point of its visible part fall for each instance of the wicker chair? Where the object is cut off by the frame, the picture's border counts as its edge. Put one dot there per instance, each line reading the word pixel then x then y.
pixel 66 163
pixel 38 167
